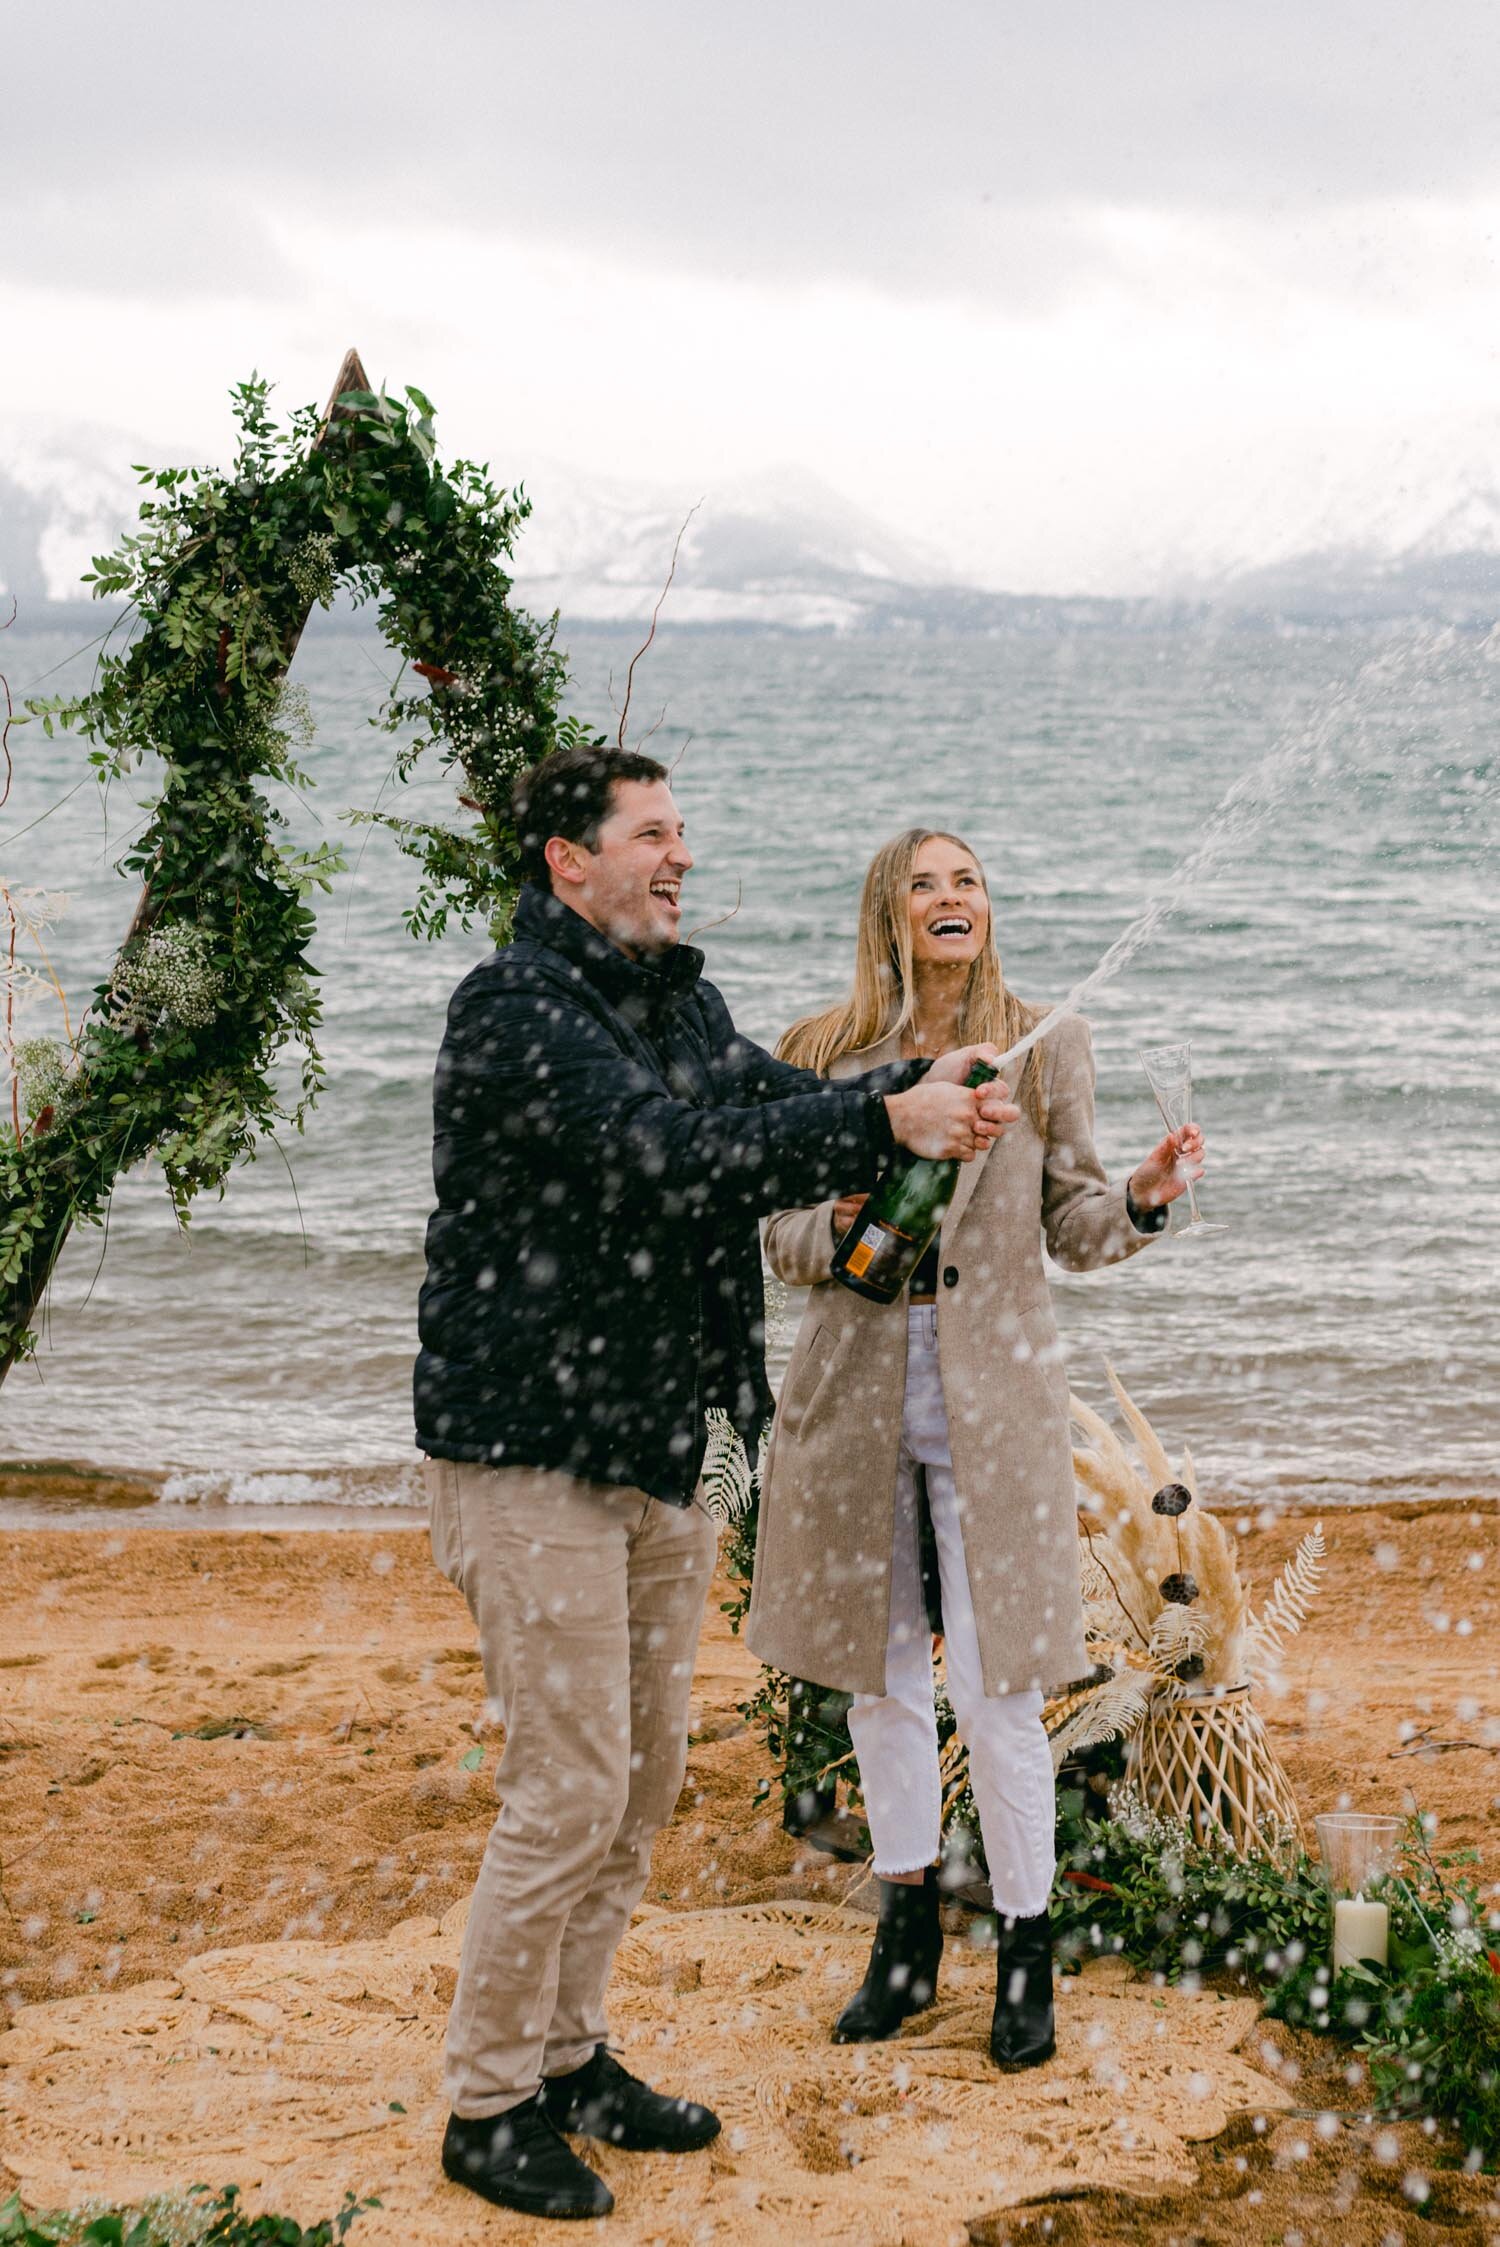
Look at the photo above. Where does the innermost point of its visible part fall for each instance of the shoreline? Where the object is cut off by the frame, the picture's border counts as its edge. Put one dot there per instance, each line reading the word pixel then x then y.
pixel 71 1496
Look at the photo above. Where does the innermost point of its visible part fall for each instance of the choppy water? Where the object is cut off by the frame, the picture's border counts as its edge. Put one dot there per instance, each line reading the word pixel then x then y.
pixel 1336 967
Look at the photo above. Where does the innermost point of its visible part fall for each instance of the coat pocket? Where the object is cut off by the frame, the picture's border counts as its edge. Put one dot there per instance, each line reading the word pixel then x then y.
pixel 804 1389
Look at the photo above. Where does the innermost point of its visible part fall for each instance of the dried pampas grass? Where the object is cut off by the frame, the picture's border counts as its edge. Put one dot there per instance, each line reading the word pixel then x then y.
pixel 1133 1551
pixel 1177 1649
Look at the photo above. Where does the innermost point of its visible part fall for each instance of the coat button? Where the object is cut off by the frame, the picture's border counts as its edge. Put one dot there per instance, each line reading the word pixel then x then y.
pixel 950 1275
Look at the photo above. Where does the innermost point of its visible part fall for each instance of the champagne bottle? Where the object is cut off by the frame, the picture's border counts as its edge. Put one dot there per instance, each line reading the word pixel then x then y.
pixel 884 1245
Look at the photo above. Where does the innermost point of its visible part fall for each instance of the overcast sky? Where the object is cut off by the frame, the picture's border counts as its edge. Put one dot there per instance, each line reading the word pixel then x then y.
pixel 1050 285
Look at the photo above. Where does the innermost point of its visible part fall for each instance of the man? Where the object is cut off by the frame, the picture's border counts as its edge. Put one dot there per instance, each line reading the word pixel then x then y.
pixel 604 1143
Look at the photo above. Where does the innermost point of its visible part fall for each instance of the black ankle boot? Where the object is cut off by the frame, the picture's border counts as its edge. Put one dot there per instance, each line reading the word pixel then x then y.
pixel 901 1978
pixel 603 2100
pixel 517 2160
pixel 1023 2032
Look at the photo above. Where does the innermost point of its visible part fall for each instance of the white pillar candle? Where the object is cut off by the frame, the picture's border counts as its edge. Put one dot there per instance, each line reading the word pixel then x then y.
pixel 1360 1932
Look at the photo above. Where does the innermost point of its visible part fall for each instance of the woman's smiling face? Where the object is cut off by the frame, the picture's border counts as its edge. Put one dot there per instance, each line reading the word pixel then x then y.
pixel 950 913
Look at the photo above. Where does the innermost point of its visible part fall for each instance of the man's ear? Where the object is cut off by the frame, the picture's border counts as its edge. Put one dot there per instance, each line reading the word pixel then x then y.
pixel 568 861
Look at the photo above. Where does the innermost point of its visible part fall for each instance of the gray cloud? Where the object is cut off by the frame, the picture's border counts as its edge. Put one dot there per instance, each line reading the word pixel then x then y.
pixel 968 151
pixel 189 236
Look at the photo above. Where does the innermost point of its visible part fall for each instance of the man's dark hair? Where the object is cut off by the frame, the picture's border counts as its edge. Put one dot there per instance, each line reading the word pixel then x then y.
pixel 571 793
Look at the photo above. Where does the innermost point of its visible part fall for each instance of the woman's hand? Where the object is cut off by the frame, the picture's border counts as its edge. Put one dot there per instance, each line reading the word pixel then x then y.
pixel 953 1067
pixel 845 1210
pixel 1165 1172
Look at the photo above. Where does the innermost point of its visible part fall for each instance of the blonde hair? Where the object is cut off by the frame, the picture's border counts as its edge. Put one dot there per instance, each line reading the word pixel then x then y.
pixel 884 994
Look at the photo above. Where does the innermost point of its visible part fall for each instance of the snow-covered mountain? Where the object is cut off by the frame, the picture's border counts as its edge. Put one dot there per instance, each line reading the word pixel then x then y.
pixel 65 495
pixel 1398 526
pixel 1394 530
pixel 781 549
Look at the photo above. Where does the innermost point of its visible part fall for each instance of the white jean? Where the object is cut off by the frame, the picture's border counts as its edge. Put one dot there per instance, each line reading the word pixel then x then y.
pixel 895 1733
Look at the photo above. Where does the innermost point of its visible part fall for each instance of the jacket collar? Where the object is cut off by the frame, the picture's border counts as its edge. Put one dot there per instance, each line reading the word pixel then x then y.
pixel 641 992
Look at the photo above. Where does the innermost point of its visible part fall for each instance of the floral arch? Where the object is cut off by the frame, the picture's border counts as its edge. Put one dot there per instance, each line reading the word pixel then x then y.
pixel 175 1057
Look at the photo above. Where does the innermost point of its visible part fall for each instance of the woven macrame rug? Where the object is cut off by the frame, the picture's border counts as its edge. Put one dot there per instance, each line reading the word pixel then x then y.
pixel 299 2069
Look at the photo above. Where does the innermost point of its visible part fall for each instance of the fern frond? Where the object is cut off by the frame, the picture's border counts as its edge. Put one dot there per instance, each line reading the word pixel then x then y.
pixel 1104 1618
pixel 1108 1711
pixel 728 1486
pixel 1286 1610
pixel 1177 1633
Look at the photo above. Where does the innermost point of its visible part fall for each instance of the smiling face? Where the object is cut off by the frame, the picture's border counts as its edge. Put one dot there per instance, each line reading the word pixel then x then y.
pixel 950 912
pixel 628 886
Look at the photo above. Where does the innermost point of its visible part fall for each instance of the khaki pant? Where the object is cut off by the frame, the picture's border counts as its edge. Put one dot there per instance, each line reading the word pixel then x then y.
pixel 588 1600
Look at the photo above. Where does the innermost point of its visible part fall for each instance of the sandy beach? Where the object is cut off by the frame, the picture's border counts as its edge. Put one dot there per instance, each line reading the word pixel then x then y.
pixel 217 1740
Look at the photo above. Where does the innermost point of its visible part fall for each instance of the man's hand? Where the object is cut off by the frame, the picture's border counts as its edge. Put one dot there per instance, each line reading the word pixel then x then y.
pixel 943 1119
pixel 1165 1172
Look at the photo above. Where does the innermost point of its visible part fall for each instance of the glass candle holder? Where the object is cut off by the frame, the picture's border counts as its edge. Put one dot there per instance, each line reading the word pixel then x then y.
pixel 1358 1852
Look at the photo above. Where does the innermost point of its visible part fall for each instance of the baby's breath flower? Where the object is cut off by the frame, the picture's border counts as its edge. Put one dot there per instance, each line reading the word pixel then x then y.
pixel 1129 1810
pixel 169 974
pixel 274 733
pixel 310 567
pixel 42 1071
pixel 1459 1947
pixel 294 717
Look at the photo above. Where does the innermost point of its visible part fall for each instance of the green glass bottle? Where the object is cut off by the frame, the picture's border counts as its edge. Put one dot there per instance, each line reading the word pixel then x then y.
pixel 884 1245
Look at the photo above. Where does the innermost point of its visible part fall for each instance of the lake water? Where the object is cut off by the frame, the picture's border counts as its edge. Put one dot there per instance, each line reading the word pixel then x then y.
pixel 1338 973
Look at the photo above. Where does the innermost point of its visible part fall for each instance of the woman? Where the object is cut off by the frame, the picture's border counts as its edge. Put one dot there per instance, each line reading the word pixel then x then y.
pixel 959 1391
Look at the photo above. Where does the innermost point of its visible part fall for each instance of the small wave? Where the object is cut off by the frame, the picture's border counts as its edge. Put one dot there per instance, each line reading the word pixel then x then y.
pixel 397 1486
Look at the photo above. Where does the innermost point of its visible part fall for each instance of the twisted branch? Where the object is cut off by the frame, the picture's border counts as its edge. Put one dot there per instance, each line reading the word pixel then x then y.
pixel 655 613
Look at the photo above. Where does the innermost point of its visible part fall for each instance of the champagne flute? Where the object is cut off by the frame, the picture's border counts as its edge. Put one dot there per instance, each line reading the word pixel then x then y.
pixel 1169 1072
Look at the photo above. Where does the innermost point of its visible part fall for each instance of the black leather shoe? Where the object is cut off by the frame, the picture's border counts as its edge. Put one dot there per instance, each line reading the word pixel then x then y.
pixel 603 2100
pixel 517 2160
pixel 1024 2031
pixel 901 1978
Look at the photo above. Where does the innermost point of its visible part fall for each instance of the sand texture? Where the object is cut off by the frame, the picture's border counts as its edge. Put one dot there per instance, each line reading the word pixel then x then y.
pixel 239 1830
pixel 307 2068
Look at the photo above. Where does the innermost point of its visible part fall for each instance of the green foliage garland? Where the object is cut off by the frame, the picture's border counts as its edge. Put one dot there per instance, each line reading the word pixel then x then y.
pixel 195 2219
pixel 177 1055
pixel 1427 2024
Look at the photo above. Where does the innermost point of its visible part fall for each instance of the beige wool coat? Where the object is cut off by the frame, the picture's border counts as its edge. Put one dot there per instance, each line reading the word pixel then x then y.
pixel 821 1603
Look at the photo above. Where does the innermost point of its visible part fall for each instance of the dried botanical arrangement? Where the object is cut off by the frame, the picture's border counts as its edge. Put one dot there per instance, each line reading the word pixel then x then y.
pixel 1178 1651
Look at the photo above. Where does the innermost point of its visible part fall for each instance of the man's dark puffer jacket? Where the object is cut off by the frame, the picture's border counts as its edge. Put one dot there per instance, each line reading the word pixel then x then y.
pixel 604 1143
